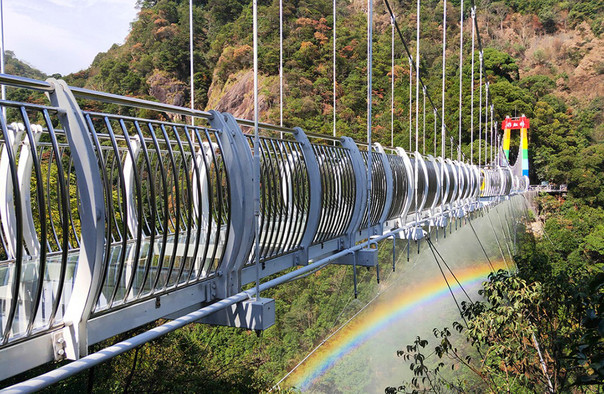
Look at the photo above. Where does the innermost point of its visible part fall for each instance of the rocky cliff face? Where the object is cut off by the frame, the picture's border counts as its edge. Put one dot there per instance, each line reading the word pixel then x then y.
pixel 236 95
pixel 572 57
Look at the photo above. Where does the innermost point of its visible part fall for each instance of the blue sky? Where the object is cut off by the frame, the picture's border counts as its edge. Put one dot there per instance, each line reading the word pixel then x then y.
pixel 64 36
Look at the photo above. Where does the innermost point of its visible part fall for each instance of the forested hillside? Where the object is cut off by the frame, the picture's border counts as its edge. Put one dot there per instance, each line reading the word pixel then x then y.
pixel 543 58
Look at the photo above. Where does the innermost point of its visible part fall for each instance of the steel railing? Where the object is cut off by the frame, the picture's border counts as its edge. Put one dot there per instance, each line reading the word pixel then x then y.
pixel 111 221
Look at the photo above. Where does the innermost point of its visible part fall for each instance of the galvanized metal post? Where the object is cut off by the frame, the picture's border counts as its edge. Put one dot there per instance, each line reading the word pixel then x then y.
pixel 87 278
pixel 238 161
pixel 389 186
pixel 360 201
pixel 314 178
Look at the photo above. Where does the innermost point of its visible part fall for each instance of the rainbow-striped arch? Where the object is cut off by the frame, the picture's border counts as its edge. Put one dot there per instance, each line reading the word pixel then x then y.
pixel 522 123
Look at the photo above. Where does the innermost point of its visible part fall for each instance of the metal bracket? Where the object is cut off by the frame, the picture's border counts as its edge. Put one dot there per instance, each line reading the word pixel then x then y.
pixel 441 221
pixel 416 233
pixel 364 258
pixel 250 314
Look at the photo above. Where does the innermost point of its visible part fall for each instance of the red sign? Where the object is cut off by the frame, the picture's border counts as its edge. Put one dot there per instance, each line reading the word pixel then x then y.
pixel 515 123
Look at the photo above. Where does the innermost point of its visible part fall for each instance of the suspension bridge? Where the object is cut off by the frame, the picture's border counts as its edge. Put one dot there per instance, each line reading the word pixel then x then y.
pixel 112 221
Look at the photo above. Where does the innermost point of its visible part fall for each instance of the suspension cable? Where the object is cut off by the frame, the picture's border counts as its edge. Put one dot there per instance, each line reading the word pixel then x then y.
pixel 416 172
pixel 417 23
pixel 444 73
pixel 460 78
pixel 410 100
pixel 472 90
pixel 435 117
pixel 281 65
pixel 410 57
pixel 480 48
pixel 497 145
pixel 412 65
pixel 486 124
pixel 480 112
pixel 369 103
pixel 424 120
pixel 492 134
pixel 190 60
pixel 256 153
pixel 391 82
pixel 442 121
pixel 334 67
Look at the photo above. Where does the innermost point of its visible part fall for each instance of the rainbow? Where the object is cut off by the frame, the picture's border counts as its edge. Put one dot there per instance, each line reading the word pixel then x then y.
pixel 383 315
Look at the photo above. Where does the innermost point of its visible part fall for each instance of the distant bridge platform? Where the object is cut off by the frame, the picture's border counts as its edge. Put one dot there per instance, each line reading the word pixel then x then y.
pixel 550 188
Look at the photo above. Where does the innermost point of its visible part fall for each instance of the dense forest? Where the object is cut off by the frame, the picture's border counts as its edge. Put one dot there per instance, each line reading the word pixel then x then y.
pixel 543 58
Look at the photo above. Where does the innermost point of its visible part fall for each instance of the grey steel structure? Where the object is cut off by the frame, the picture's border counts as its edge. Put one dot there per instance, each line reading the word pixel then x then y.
pixel 112 220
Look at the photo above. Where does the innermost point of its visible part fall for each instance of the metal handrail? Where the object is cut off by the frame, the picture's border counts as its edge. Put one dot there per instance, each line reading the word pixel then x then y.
pixel 27 83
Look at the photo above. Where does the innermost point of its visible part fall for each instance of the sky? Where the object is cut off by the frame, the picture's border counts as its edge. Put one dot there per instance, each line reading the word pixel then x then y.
pixel 64 36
